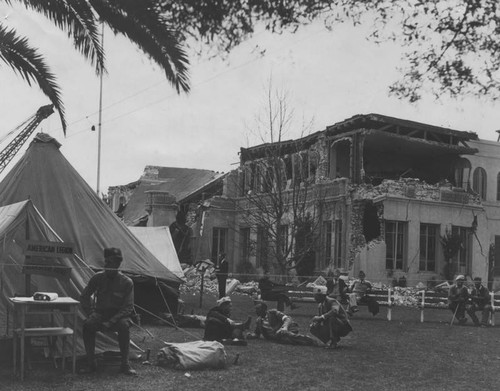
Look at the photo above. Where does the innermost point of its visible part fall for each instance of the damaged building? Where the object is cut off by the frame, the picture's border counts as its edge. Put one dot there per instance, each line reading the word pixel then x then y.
pixel 168 196
pixel 377 193
pixel 398 199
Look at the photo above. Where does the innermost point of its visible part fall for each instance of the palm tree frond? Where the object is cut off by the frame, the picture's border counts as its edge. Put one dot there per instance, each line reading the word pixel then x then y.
pixel 141 23
pixel 30 65
pixel 77 18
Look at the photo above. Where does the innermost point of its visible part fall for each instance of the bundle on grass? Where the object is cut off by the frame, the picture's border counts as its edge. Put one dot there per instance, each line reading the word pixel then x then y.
pixel 193 355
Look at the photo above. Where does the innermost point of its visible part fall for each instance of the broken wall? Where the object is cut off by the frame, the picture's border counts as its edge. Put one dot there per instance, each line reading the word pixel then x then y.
pixel 412 201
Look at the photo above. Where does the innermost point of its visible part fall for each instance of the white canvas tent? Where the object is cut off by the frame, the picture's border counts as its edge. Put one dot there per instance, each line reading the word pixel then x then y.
pixel 74 210
pixel 159 241
pixel 20 222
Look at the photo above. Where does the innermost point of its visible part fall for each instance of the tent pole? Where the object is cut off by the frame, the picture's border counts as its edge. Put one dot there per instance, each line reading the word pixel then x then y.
pixel 201 287
pixel 2 272
pixel 27 277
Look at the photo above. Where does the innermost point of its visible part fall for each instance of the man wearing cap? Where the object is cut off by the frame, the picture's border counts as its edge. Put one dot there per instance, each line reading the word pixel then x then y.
pixel 457 299
pixel 220 326
pixel 275 326
pixel 331 323
pixel 480 297
pixel 114 304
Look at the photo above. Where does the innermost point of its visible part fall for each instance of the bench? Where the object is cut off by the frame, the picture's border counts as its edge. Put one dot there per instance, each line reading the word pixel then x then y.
pixel 495 305
pixel 439 300
pixel 432 300
pixel 384 297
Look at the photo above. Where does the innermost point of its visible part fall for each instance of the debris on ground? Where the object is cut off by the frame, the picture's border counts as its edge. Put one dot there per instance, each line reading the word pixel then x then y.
pixel 403 296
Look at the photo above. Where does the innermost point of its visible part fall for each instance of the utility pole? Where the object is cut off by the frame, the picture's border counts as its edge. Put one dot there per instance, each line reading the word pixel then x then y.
pixel 99 124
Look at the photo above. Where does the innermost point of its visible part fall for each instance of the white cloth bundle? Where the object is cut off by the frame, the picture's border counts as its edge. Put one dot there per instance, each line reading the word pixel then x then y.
pixel 193 355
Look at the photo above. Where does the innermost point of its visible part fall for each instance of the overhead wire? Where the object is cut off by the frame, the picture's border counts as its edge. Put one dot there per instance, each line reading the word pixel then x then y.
pixel 251 276
pixel 173 95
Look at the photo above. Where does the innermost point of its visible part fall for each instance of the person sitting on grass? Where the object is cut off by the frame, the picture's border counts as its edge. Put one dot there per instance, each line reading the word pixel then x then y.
pixel 480 301
pixel 219 326
pixel 275 326
pixel 457 299
pixel 359 294
pixel 331 323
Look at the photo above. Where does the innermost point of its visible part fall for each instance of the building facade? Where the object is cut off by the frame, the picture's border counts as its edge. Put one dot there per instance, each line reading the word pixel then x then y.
pixel 373 193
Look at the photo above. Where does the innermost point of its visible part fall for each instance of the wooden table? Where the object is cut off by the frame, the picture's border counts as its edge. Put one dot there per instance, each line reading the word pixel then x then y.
pixel 24 307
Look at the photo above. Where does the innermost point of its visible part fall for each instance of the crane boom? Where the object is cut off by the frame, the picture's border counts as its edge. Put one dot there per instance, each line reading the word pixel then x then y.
pixel 15 145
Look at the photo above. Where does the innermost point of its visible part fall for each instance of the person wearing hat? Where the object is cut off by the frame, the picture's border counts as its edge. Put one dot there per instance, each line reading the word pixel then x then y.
pixel 219 325
pixel 276 326
pixel 359 294
pixel 114 304
pixel 331 323
pixel 457 299
pixel 480 301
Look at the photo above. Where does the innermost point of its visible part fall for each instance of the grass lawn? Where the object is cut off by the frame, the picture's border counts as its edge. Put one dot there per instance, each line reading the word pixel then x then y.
pixel 403 354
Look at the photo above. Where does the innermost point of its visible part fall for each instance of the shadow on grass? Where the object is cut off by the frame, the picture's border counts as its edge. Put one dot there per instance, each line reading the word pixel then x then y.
pixel 378 355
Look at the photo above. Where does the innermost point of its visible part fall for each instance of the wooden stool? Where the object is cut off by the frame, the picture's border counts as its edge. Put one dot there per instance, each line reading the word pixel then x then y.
pixel 47 332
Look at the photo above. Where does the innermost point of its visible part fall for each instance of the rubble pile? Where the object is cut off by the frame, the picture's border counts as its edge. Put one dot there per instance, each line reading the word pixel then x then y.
pixel 249 288
pixel 400 187
pixel 193 282
pixel 403 296
pixel 210 285
pixel 407 297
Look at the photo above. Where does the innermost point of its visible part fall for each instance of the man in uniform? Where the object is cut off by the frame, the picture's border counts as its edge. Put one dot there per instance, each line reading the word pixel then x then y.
pixel 457 299
pixel 114 305
pixel 480 297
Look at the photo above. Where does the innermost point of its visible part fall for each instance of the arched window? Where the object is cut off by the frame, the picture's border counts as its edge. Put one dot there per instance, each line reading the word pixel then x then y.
pixel 304 165
pixel 340 159
pixel 281 174
pixel 288 160
pixel 247 178
pixel 257 174
pixel 462 173
pixel 479 182
pixel 313 164
pixel 267 177
pixel 298 167
pixel 498 186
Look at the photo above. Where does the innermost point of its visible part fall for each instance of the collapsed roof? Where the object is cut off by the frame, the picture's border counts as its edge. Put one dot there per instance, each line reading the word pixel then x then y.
pixel 382 132
pixel 181 183
pixel 389 134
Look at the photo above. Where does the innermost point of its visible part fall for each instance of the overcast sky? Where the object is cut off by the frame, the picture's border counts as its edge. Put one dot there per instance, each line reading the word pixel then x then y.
pixel 330 76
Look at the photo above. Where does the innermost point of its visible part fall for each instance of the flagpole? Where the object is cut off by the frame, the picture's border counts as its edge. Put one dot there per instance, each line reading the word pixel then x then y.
pixel 99 124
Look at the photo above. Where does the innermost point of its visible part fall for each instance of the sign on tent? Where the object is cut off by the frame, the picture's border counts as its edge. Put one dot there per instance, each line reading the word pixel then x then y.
pixel 39 258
